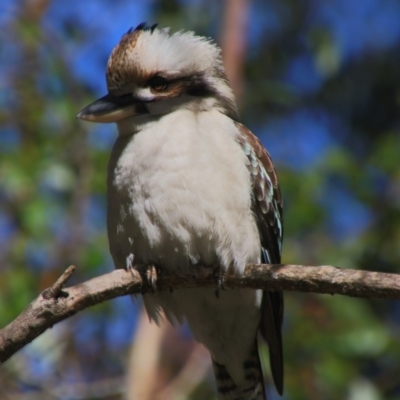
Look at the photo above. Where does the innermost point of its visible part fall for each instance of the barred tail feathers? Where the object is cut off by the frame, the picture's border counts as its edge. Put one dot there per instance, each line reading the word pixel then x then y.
pixel 251 389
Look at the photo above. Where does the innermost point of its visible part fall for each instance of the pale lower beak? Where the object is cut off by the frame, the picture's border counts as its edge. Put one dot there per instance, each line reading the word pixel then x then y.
pixel 112 109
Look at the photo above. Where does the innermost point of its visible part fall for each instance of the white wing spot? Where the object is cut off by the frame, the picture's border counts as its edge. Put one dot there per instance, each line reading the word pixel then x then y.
pixel 120 229
pixel 122 213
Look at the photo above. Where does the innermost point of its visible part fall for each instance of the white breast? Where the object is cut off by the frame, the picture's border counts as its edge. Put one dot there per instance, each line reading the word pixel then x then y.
pixel 179 194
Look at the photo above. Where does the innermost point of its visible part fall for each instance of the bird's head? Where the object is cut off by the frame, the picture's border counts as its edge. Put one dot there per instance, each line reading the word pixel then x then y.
pixel 151 72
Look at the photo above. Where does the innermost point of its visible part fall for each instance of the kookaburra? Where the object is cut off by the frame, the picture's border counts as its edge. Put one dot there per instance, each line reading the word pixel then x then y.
pixel 188 187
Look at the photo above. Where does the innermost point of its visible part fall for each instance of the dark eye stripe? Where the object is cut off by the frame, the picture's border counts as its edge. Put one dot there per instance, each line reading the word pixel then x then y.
pixel 193 85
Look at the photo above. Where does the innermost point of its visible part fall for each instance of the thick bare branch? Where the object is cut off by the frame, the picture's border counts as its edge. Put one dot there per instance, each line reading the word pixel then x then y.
pixel 56 304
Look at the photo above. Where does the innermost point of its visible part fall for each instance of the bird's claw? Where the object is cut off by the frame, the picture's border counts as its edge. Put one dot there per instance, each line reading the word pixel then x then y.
pixel 129 263
pixel 151 276
pixel 151 272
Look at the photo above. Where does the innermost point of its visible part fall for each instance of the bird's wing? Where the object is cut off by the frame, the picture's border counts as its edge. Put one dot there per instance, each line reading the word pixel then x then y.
pixel 267 207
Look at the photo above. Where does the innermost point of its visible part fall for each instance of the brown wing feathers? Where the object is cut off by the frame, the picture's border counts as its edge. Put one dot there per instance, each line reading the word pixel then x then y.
pixel 267 206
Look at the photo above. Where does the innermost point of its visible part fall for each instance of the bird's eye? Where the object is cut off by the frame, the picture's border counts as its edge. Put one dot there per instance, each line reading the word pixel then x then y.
pixel 158 83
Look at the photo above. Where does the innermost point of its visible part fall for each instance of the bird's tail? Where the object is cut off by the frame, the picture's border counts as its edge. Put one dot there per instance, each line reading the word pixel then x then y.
pixel 251 389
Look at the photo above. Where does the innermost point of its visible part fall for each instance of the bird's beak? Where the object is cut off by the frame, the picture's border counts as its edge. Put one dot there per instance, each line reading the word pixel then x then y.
pixel 112 109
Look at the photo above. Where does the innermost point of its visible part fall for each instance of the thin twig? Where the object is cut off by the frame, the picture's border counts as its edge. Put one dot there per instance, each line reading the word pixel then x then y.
pixel 54 291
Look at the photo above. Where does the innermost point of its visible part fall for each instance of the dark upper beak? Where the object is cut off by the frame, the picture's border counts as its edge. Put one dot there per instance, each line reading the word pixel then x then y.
pixel 112 109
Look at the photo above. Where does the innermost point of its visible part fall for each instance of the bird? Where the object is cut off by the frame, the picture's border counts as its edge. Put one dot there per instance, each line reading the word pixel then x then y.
pixel 191 187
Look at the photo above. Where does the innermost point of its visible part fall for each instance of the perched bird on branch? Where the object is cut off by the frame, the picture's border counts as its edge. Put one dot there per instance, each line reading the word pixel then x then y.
pixel 188 187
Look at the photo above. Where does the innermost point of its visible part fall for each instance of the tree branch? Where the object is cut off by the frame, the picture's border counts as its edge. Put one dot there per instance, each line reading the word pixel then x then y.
pixel 56 304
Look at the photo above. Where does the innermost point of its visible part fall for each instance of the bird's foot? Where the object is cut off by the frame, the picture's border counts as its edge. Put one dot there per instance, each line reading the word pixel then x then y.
pixel 151 276
pixel 150 271
pixel 129 263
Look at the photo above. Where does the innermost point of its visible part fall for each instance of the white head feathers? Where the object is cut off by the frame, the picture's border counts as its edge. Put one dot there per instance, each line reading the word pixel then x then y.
pixel 188 65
